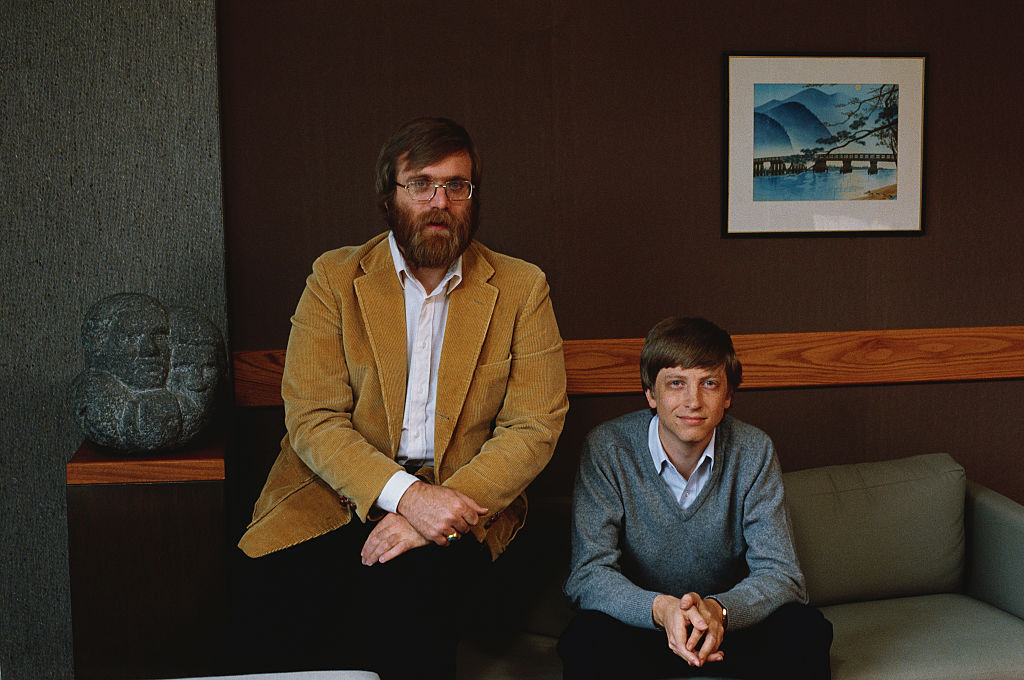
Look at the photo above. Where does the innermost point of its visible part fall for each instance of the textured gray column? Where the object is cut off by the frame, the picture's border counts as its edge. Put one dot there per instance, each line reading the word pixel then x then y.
pixel 109 182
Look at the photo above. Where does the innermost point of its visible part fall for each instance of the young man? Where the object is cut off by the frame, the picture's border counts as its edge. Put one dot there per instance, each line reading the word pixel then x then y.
pixel 682 552
pixel 424 389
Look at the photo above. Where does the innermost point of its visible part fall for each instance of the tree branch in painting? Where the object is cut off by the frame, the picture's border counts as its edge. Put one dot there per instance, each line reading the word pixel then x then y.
pixel 876 115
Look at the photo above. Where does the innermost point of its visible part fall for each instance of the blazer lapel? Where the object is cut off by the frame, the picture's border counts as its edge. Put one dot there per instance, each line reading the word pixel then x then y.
pixel 470 307
pixel 382 306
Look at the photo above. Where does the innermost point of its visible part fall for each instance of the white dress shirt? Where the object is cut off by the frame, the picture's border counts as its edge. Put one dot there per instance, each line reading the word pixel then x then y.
pixel 425 317
pixel 683 490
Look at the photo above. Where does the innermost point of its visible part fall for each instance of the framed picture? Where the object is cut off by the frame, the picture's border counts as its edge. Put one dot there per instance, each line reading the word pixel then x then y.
pixel 824 144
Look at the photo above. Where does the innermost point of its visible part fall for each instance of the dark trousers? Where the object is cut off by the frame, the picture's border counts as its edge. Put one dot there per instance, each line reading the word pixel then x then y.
pixel 793 643
pixel 314 606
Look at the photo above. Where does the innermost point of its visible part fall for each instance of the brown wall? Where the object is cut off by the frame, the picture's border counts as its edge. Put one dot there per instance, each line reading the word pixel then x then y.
pixel 601 130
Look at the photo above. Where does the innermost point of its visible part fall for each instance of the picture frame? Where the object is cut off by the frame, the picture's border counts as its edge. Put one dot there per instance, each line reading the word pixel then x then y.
pixel 824 144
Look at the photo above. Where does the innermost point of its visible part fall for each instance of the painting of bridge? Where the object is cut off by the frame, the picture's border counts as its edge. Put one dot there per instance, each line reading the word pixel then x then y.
pixel 787 165
pixel 824 128
pixel 823 144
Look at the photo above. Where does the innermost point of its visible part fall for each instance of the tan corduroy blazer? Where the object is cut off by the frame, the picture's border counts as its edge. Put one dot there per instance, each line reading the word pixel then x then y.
pixel 500 394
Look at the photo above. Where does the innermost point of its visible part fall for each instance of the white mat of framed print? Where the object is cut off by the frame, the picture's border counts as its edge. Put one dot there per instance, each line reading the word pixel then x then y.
pixel 824 144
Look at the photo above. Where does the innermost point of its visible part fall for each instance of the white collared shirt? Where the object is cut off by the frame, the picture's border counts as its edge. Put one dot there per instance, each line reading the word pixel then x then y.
pixel 425 318
pixel 685 491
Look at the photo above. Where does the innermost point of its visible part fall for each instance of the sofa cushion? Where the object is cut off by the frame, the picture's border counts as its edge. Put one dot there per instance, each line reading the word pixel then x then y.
pixel 930 637
pixel 887 529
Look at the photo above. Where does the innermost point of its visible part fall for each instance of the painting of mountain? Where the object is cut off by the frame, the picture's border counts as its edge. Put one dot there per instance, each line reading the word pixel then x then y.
pixel 822 105
pixel 808 113
pixel 803 127
pixel 770 138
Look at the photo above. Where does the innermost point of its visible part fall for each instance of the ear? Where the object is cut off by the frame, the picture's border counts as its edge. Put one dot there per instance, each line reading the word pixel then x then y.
pixel 728 398
pixel 651 400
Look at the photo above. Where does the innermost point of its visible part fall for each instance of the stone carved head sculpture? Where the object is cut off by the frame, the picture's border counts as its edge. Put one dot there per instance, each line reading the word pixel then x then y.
pixel 151 374
pixel 126 335
pixel 196 367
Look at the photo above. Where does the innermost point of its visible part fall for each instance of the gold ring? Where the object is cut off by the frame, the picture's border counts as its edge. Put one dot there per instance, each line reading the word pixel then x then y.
pixel 452 537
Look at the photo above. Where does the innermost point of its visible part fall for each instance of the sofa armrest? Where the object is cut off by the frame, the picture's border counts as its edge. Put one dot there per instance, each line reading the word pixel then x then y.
pixel 995 549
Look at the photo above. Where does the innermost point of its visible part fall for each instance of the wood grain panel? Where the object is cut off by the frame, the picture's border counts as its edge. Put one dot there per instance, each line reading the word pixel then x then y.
pixel 93 465
pixel 881 357
pixel 147 573
pixel 609 366
pixel 257 377
pixel 770 360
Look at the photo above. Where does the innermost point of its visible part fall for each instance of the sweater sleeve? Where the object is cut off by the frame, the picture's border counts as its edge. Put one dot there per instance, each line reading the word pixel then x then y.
pixel 596 580
pixel 775 577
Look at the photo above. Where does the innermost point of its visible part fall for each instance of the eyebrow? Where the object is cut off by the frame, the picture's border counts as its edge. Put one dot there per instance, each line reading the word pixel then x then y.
pixel 436 179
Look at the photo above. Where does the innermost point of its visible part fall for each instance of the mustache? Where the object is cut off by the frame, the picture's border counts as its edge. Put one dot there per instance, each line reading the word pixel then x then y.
pixel 436 216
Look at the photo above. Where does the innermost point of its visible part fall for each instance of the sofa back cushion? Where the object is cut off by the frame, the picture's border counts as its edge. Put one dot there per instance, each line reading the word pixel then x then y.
pixel 875 530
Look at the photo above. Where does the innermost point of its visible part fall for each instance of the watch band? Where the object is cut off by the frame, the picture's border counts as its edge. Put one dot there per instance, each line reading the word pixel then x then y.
pixel 725 612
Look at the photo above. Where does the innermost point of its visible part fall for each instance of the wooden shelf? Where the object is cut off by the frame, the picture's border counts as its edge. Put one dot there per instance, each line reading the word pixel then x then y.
pixel 93 464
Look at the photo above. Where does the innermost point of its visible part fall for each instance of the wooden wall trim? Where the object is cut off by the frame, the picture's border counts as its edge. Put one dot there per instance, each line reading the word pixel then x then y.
pixel 770 361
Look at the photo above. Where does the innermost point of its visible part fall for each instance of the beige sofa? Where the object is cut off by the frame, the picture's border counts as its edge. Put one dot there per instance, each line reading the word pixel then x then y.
pixel 920 571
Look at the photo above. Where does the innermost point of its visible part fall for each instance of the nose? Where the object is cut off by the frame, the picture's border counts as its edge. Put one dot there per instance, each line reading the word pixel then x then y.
pixel 440 199
pixel 693 398
pixel 148 346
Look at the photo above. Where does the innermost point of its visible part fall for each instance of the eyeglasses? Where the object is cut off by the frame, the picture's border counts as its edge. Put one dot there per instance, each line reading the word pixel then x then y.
pixel 424 189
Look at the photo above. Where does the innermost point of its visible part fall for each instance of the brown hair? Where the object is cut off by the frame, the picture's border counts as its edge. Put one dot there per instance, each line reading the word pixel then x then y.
pixel 688 342
pixel 421 142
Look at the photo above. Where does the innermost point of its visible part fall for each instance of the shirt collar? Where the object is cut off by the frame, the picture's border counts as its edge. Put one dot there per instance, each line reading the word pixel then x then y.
pixel 451 279
pixel 659 456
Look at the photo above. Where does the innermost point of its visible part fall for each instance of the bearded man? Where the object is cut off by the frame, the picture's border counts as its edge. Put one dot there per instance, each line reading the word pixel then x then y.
pixel 424 389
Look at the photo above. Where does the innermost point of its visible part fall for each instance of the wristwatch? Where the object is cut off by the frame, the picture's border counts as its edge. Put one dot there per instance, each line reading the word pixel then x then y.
pixel 725 612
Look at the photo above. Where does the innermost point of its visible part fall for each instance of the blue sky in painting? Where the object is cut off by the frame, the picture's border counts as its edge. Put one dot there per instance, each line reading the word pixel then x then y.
pixel 764 92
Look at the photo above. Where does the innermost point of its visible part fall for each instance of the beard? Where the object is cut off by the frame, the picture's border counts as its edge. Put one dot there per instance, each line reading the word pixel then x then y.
pixel 433 249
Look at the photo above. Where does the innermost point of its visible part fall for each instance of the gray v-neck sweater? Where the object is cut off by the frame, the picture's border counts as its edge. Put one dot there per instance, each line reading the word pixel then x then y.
pixel 631 541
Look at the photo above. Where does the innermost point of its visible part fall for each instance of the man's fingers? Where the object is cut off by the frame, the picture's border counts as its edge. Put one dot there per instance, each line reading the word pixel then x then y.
pixel 391 554
pixel 688 656
pixel 471 510
pixel 709 648
pixel 473 505
pixel 678 645
pixel 392 536
pixel 381 539
pixel 396 550
pixel 371 549
pixel 459 524
pixel 695 618
pixel 436 511
pixel 694 638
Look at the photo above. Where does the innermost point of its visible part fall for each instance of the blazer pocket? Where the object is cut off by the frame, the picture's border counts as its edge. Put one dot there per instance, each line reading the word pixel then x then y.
pixel 487 392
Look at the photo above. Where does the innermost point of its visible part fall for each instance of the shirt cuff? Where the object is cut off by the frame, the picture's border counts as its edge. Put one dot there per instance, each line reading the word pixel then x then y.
pixel 393 491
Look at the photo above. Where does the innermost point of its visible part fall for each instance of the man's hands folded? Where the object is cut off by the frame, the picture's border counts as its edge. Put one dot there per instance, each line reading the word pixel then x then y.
pixel 687 621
